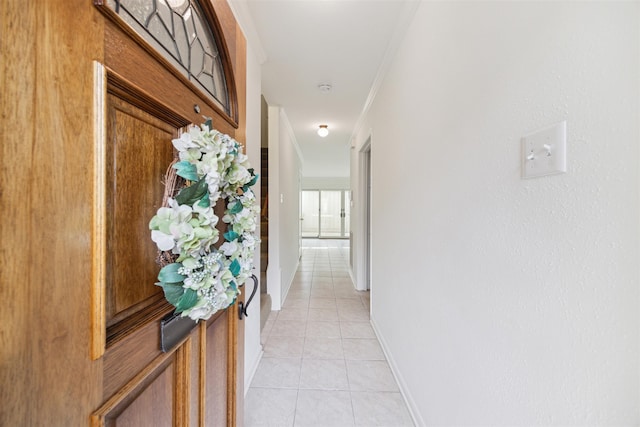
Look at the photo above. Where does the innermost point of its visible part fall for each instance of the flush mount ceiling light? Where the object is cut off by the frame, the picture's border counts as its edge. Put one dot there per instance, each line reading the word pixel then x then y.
pixel 323 130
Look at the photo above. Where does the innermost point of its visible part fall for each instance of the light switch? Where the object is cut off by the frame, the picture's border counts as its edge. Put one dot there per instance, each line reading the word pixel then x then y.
pixel 545 152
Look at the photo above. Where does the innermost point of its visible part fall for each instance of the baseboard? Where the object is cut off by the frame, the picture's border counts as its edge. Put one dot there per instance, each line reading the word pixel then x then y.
pixel 254 368
pixel 404 391
pixel 289 283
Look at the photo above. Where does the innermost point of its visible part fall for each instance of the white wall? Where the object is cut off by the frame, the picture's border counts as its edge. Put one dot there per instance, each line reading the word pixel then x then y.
pixel 326 159
pixel 502 301
pixel 325 183
pixel 290 170
pixel 252 346
pixel 285 163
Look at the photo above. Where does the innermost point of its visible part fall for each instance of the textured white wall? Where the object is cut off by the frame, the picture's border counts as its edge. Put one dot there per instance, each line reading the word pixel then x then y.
pixel 503 301
pixel 325 183
pixel 284 206
pixel 289 170
pixel 252 346
pixel 326 159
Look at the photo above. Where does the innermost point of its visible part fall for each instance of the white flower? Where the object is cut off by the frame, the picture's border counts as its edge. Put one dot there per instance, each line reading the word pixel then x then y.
pixel 248 241
pixel 229 248
pixel 202 310
pixel 184 142
pixel 164 242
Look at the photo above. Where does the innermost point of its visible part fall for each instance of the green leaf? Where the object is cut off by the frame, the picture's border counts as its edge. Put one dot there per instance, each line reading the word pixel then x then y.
pixel 169 273
pixel 235 268
pixel 237 208
pixel 172 292
pixel 245 187
pixel 205 202
pixel 231 235
pixel 186 170
pixel 193 193
pixel 209 123
pixel 187 300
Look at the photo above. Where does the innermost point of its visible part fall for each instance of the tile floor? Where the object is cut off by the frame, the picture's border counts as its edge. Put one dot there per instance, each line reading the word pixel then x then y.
pixel 322 363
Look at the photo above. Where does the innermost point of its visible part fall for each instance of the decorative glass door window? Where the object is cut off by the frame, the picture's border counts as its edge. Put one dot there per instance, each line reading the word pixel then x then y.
pixel 179 31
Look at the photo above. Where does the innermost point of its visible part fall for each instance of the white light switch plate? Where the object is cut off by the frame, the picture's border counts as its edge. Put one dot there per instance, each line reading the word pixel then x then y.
pixel 545 152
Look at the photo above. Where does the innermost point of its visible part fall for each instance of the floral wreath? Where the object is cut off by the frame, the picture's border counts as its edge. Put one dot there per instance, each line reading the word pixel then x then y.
pixel 197 277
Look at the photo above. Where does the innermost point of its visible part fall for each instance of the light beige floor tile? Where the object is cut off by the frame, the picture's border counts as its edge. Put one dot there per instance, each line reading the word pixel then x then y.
pixel 362 349
pixel 340 274
pixel 342 281
pixel 342 292
pixel 322 303
pixel 300 285
pixel 284 347
pixel 303 276
pixel 360 315
pixel 366 299
pixel 370 375
pixel 288 328
pixel 323 329
pixel 323 375
pixel 322 285
pixel 324 409
pixel 294 312
pixel 270 407
pixel 343 284
pixel 380 409
pixel 293 302
pixel 348 304
pixel 322 280
pixel 322 293
pixel 278 373
pixel 297 352
pixel 322 315
pixel 322 273
pixel 356 330
pixel 322 348
pixel 299 294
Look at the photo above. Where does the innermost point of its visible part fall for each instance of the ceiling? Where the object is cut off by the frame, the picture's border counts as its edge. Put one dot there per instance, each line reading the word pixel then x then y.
pixel 306 43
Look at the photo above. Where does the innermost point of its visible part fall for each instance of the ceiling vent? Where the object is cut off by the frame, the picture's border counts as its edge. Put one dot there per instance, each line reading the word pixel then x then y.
pixel 325 87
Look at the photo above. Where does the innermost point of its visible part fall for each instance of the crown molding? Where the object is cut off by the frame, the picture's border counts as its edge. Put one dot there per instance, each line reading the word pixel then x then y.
pixel 402 24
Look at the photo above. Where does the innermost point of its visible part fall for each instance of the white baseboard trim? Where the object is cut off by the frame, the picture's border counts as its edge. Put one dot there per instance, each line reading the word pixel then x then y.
pixel 248 379
pixel 289 283
pixel 353 278
pixel 411 404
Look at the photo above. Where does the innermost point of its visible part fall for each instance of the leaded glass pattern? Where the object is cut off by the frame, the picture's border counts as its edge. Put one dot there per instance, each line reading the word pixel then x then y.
pixel 179 31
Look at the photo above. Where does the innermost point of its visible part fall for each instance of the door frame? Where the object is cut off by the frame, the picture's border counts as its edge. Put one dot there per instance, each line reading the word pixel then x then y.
pixel 363 218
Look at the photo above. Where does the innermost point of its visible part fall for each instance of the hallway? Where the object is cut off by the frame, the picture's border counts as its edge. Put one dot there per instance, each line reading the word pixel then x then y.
pixel 322 363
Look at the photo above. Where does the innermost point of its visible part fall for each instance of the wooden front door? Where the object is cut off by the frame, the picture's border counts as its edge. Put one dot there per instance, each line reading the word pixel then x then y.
pixel 146 103
pixel 88 114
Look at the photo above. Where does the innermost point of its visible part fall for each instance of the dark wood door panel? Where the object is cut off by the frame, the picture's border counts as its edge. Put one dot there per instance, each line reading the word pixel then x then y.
pixel 139 150
pixel 154 406
pixel 156 396
pixel 217 370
